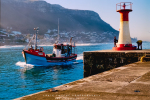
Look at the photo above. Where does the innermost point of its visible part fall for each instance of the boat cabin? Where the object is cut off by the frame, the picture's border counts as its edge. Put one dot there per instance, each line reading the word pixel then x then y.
pixel 61 50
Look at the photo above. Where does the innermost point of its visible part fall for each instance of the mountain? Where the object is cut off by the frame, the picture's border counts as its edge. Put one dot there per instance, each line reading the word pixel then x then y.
pixel 24 15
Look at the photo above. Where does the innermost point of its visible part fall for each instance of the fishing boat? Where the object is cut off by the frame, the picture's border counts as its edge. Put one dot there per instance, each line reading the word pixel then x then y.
pixel 63 54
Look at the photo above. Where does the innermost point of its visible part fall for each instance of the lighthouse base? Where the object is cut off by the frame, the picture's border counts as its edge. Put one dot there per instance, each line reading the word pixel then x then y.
pixel 124 47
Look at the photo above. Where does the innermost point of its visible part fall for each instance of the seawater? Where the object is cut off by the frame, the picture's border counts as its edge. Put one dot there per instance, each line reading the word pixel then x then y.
pixel 18 79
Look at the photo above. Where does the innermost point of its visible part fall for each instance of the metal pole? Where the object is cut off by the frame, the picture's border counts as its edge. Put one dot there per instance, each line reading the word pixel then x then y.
pixel 0 14
pixel 58 31
pixel 74 47
pixel 36 40
pixel 36 31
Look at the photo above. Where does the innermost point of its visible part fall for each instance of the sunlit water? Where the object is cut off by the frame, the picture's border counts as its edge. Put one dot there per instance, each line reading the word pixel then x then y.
pixel 18 79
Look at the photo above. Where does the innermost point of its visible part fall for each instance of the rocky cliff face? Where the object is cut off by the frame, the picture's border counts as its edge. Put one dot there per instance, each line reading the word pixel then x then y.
pixel 24 15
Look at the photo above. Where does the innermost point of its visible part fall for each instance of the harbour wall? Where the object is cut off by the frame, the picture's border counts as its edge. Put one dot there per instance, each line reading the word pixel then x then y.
pixel 103 60
pixel 128 82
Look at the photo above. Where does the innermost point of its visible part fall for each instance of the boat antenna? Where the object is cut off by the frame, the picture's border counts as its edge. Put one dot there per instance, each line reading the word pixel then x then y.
pixel 71 40
pixel 36 31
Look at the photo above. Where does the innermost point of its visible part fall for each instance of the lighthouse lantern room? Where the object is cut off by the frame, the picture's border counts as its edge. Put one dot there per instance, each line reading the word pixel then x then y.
pixel 124 40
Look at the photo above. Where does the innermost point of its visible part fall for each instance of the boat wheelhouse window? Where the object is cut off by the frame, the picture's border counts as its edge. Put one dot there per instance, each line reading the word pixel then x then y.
pixel 62 50
pixel 58 47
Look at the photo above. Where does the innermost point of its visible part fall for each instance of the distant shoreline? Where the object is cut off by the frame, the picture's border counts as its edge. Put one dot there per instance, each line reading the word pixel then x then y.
pixel 51 44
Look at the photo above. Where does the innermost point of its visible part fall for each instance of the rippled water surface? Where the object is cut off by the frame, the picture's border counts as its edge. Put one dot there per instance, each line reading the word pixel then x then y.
pixel 18 79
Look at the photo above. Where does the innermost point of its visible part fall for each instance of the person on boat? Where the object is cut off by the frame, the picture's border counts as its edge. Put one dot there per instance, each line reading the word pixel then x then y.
pixel 115 41
pixel 139 43
pixel 62 49
pixel 31 47
pixel 55 46
pixel 69 51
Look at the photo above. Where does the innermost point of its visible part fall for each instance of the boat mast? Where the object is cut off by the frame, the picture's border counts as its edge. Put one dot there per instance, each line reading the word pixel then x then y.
pixel 0 15
pixel 58 32
pixel 36 31
pixel 74 47
pixel 71 40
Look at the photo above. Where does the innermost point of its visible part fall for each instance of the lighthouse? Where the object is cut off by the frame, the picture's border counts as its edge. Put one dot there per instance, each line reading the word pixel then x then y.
pixel 124 40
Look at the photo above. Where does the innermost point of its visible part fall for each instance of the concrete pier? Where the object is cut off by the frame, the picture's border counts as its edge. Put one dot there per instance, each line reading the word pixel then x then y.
pixel 128 82
pixel 103 60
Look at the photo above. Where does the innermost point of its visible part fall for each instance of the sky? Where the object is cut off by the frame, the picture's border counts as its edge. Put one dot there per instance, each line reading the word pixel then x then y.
pixel 139 18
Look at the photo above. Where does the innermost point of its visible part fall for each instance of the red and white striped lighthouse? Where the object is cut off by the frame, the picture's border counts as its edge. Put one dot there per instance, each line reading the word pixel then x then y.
pixel 124 40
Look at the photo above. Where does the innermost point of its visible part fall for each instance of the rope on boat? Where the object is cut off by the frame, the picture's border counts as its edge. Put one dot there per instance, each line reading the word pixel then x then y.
pixel 29 42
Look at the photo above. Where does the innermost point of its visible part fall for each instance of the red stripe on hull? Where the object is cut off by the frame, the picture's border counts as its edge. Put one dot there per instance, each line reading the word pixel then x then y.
pixel 35 53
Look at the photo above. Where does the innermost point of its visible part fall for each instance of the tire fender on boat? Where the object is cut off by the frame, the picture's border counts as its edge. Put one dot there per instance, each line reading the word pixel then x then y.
pixel 41 49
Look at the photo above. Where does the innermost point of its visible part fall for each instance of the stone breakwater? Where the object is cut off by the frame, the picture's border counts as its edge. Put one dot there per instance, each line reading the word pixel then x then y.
pixel 103 60
pixel 130 82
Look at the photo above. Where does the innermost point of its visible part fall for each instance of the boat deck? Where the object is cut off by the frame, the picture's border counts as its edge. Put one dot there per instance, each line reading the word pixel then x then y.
pixel 48 55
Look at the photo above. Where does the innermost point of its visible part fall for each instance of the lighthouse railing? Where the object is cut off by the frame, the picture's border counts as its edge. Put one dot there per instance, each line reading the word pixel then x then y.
pixel 124 5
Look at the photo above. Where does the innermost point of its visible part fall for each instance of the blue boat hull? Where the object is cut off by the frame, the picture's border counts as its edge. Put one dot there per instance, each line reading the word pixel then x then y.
pixel 42 61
